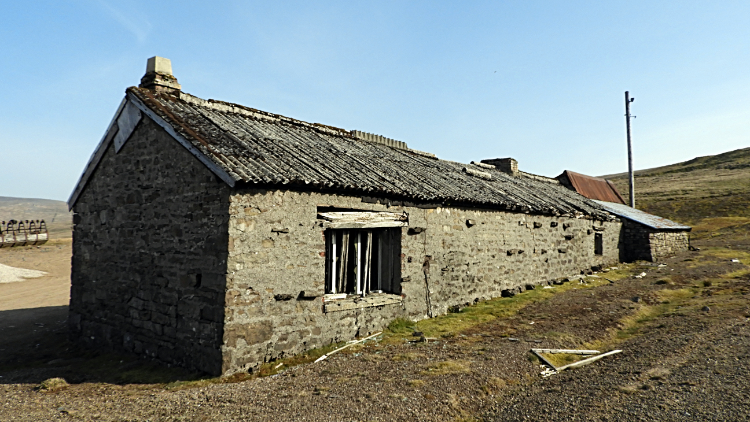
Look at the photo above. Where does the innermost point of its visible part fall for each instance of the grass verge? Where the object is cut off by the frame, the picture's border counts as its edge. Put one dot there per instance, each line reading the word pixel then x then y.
pixel 453 323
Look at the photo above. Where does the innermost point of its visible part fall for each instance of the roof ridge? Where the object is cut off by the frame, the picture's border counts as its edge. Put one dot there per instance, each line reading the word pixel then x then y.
pixel 227 107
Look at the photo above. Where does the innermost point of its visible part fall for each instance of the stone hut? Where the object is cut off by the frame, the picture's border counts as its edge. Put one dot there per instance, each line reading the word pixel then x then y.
pixel 217 237
pixel 645 236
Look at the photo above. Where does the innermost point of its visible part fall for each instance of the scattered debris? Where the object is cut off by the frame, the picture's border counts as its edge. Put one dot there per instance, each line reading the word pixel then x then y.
pixel 422 339
pixel 567 351
pixel 641 275
pixel 705 309
pixel 547 371
pixel 735 260
pixel 348 345
pixel 278 366
pixel 552 369
pixel 588 360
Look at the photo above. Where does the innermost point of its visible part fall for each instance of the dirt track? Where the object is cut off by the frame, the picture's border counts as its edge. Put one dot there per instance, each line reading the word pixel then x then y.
pixel 679 363
pixel 50 290
pixel 32 310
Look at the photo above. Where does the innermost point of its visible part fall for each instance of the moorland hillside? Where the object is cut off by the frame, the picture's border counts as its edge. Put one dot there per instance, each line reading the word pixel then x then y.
pixel 712 193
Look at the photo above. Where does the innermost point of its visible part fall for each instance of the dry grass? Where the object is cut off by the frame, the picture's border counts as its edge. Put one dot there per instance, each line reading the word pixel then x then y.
pixel 53 384
pixel 691 298
pixel 704 191
pixel 708 226
pixel 494 385
pixel 447 367
pixel 406 357
pixel 416 383
pixel 657 373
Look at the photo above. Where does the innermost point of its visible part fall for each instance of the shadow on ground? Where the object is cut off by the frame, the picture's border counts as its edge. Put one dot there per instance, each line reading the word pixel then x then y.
pixel 35 346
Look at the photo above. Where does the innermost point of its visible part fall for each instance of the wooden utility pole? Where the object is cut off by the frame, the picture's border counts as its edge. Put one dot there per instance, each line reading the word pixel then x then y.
pixel 629 100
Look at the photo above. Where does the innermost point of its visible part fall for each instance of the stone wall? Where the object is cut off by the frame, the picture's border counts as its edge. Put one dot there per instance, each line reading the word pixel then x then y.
pixel 149 253
pixel 276 267
pixel 171 263
pixel 645 243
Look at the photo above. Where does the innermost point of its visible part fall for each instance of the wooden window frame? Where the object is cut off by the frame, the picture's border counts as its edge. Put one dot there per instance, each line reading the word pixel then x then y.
pixel 370 259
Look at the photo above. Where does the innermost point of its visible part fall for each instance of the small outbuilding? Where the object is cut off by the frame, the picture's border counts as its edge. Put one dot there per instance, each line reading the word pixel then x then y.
pixel 644 236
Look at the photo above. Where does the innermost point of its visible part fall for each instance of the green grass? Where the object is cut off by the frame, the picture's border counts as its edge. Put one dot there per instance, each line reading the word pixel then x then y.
pixel 401 326
pixel 684 300
pixel 453 323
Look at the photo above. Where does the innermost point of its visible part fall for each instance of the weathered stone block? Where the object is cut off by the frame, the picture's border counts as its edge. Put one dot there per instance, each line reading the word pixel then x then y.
pixel 255 333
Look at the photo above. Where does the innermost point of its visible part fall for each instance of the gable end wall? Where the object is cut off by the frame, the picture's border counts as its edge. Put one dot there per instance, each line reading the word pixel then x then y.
pixel 150 224
pixel 648 244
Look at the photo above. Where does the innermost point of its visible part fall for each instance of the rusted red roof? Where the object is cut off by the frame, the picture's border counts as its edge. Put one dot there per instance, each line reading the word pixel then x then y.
pixel 591 187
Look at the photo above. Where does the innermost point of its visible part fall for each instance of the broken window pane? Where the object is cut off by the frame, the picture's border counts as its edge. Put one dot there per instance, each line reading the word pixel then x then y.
pixel 363 261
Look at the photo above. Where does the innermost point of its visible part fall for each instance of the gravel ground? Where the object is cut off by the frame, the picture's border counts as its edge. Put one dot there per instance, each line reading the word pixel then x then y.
pixel 691 368
pixel 683 364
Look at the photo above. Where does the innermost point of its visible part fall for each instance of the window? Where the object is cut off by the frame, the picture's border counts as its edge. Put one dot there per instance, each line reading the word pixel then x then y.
pixel 598 244
pixel 363 261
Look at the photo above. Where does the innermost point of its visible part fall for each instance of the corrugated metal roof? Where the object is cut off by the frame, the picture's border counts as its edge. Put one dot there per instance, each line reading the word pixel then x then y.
pixel 592 187
pixel 260 148
pixel 650 220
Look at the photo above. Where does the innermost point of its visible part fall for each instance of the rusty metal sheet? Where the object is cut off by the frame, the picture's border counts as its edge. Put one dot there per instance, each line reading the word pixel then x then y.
pixel 650 220
pixel 591 187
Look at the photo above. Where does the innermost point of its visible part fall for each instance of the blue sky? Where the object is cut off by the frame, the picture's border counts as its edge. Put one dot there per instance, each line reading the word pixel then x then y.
pixel 542 82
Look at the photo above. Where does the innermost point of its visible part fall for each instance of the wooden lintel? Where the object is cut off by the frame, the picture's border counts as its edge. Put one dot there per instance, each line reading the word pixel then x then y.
pixel 368 225
pixel 569 351
pixel 359 303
